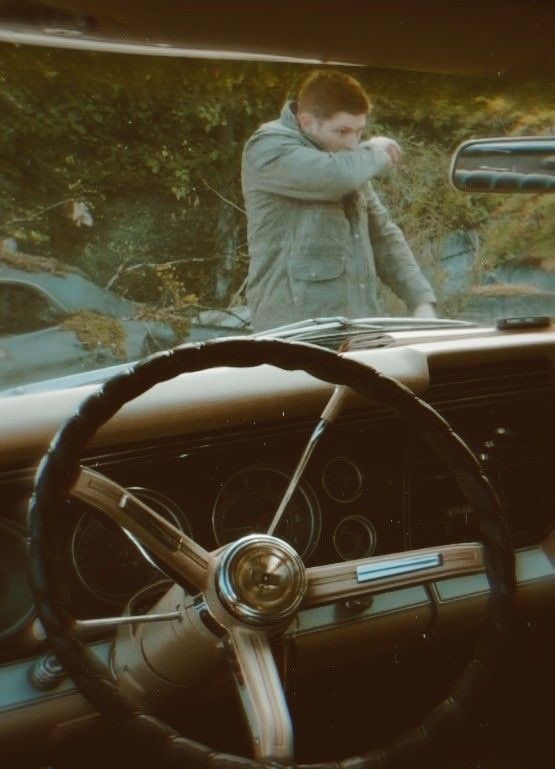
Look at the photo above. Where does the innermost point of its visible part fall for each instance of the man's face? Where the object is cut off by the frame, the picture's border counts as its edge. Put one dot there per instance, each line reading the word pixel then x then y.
pixel 341 131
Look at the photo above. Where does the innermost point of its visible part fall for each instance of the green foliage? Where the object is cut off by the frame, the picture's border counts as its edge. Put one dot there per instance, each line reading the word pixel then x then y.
pixel 521 231
pixel 94 330
pixel 153 146
pixel 173 305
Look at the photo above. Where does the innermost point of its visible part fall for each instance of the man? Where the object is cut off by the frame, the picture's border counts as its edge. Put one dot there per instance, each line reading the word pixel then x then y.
pixel 318 234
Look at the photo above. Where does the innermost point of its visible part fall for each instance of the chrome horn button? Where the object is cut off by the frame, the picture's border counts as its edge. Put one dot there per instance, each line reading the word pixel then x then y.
pixel 261 580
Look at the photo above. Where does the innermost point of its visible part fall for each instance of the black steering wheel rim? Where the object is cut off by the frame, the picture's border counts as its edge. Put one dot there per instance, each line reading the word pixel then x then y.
pixel 59 470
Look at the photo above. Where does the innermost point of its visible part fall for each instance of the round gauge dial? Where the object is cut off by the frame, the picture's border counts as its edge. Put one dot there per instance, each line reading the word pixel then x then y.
pixel 342 480
pixel 249 500
pixel 16 601
pixel 107 560
pixel 354 537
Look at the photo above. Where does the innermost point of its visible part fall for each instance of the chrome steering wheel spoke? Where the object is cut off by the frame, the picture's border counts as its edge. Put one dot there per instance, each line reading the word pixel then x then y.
pixel 261 692
pixel 350 579
pixel 169 544
pixel 329 414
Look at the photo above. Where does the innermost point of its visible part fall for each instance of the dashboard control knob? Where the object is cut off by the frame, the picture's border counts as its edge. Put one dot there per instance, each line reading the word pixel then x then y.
pixel 358 605
pixel 47 672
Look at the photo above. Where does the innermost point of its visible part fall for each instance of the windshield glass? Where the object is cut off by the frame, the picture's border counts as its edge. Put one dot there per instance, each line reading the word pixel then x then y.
pixel 150 201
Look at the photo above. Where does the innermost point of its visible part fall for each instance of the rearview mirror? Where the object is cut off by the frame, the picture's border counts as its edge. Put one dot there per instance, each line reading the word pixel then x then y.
pixel 517 164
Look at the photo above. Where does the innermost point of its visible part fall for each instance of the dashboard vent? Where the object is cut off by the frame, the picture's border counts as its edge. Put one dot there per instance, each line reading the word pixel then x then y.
pixel 503 378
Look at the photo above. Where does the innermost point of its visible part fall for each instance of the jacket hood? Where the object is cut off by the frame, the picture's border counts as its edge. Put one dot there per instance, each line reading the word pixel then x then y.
pixel 286 125
pixel 288 116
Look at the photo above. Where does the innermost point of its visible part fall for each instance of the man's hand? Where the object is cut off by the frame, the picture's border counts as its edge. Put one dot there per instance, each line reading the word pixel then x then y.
pixel 389 145
pixel 424 310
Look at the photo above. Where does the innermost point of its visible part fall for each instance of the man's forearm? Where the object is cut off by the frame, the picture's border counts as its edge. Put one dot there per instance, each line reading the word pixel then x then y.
pixel 394 259
pixel 308 173
pixel 398 269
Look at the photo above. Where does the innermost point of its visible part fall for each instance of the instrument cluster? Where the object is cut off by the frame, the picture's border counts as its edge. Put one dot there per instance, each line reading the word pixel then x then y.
pixel 341 510
pixel 370 489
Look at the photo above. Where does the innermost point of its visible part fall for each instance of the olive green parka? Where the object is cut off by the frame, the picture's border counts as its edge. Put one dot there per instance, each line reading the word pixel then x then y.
pixel 318 234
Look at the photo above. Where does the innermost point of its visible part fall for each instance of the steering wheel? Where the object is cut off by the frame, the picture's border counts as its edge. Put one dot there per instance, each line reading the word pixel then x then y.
pixel 254 586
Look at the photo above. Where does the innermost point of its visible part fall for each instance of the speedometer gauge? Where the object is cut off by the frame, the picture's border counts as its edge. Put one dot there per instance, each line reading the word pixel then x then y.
pixel 250 498
pixel 108 563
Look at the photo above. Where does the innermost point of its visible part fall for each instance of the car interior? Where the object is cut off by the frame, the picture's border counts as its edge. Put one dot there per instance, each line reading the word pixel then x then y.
pixel 260 552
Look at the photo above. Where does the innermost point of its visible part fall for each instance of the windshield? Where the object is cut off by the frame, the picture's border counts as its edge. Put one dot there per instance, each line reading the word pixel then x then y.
pixel 148 202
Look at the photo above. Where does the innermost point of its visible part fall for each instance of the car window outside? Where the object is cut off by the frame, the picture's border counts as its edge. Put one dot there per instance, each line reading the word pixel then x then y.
pixel 128 169
pixel 24 309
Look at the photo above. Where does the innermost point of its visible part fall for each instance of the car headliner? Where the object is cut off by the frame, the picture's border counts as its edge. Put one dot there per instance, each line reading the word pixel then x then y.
pixel 494 38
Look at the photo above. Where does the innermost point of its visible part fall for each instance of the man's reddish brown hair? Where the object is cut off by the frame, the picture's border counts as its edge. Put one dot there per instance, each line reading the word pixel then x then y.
pixel 325 92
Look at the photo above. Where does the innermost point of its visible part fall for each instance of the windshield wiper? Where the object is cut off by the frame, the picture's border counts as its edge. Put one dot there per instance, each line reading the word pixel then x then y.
pixel 333 331
pixel 367 324
pixel 336 322
pixel 418 324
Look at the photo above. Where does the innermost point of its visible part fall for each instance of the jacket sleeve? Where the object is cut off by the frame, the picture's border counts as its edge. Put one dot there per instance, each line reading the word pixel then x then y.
pixel 395 262
pixel 287 167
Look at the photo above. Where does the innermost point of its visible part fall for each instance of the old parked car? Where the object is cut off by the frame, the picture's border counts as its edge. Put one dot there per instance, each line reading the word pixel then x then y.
pixel 60 323
pixel 257 552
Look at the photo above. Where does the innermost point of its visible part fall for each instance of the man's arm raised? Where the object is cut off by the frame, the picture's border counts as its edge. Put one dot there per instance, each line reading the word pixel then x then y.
pixel 287 167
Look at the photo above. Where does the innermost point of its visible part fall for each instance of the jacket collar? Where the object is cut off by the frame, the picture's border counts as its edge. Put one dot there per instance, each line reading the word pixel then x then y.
pixel 288 118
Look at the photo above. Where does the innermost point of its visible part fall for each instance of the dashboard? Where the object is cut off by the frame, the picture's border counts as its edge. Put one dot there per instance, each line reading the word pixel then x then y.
pixel 371 487
pixel 212 452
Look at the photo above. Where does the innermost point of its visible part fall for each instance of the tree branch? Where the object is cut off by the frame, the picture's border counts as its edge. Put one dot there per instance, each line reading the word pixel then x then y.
pixel 122 269
pixel 219 194
pixel 39 213
pixel 237 294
